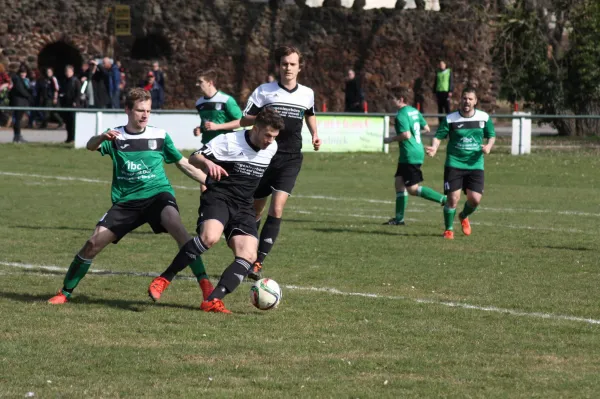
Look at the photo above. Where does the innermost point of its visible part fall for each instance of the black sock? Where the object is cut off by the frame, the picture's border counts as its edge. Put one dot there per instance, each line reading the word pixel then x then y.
pixel 268 235
pixel 186 255
pixel 231 278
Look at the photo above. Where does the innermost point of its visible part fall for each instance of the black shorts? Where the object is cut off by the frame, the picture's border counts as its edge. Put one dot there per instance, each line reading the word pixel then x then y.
pixel 465 179
pixel 411 173
pixel 280 175
pixel 237 218
pixel 124 217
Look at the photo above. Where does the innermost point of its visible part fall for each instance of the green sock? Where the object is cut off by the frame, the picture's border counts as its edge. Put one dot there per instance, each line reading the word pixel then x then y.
pixel 430 194
pixel 449 217
pixel 467 210
pixel 401 202
pixel 199 269
pixel 79 267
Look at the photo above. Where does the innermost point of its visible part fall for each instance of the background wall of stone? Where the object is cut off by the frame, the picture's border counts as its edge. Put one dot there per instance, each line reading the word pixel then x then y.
pixel 388 47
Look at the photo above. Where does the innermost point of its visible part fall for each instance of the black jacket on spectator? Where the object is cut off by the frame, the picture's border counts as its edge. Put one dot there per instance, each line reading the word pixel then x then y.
pixel 160 78
pixel 70 96
pixel 100 85
pixel 20 95
pixel 354 96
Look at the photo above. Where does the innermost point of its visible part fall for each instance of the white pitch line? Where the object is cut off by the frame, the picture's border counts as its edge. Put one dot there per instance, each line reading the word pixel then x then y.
pixel 319 197
pixel 335 291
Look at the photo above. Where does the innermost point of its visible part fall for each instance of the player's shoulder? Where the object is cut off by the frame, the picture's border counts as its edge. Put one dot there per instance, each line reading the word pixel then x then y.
pixel 153 132
pixel 453 117
pixel 481 115
pixel 305 89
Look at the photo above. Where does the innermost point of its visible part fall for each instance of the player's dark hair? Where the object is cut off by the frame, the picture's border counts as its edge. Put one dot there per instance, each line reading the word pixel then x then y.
pixel 135 95
pixel 400 92
pixel 469 89
pixel 210 75
pixel 269 117
pixel 284 51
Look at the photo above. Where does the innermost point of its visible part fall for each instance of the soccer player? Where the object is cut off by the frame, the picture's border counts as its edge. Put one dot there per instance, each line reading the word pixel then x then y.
pixel 234 163
pixel 295 103
pixel 216 109
pixel 465 129
pixel 141 192
pixel 408 125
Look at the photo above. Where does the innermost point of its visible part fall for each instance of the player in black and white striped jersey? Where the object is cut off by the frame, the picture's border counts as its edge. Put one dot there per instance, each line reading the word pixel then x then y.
pixel 234 163
pixel 295 103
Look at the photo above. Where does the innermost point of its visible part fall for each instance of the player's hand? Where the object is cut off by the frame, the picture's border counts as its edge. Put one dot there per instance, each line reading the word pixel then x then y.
pixel 486 148
pixel 215 171
pixel 111 135
pixel 211 126
pixel 431 151
pixel 197 131
pixel 316 142
pixel 387 140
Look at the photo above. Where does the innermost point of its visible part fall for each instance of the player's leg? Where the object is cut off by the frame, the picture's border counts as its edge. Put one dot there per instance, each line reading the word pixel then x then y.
pixel 244 248
pixel 171 221
pixel 453 183
pixel 401 198
pixel 82 261
pixel 259 207
pixel 413 176
pixel 474 184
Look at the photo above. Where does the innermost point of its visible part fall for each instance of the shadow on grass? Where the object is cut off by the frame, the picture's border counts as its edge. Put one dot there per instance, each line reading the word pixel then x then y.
pixel 564 247
pixel 124 304
pixel 377 232
pixel 85 229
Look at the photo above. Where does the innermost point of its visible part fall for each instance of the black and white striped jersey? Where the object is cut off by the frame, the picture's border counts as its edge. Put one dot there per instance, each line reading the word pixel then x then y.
pixel 292 105
pixel 244 162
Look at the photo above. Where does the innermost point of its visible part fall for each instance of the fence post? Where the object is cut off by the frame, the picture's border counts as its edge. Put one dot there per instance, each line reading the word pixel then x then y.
pixel 386 133
pixel 98 123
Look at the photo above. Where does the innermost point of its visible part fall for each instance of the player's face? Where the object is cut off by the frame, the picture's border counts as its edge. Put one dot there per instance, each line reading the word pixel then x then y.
pixel 139 114
pixel 468 102
pixel 266 136
pixel 289 66
pixel 205 85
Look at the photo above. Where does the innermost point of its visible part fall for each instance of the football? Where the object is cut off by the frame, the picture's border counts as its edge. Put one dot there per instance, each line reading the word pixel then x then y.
pixel 265 294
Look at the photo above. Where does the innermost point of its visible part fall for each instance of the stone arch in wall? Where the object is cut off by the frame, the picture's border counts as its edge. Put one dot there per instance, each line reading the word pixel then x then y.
pixel 150 47
pixel 58 55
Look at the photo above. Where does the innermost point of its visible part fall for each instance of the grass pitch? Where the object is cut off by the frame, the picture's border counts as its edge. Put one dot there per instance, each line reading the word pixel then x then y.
pixel 368 310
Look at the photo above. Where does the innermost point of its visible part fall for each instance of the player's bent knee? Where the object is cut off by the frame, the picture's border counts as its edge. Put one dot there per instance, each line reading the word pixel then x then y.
pixel 91 248
pixel 413 190
pixel 209 238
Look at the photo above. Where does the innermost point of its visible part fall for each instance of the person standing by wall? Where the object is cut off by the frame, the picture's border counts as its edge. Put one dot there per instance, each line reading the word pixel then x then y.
pixel 355 96
pixel 20 96
pixel 442 88
pixel 70 98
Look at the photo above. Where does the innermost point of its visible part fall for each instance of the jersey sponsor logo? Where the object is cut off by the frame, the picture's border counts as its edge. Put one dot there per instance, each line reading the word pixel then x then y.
pixel 191 255
pixel 135 166
pixel 218 106
pixel 481 124
pixel 268 240
pixel 460 125
pixel 152 144
pixel 123 146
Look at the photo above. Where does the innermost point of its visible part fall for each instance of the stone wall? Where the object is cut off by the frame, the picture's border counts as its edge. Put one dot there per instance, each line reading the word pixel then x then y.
pixel 388 47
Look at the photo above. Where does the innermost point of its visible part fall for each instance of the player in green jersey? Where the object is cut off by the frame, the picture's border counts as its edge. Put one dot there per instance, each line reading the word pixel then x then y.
pixel 141 192
pixel 408 124
pixel 466 130
pixel 215 108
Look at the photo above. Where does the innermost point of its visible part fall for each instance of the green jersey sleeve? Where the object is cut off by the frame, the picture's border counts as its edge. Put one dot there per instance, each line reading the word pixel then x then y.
pixel 106 148
pixel 170 153
pixel 443 130
pixel 232 110
pixel 488 129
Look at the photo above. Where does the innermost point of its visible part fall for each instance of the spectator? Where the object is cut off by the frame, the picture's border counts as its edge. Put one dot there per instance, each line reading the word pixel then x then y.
pixel 354 95
pixel 33 116
pixel 5 86
pixel 419 100
pixel 99 85
pixel 123 83
pixel 158 74
pixel 47 96
pixel 87 87
pixel 70 98
pixel 156 91
pixel 442 88
pixel 20 96
pixel 113 77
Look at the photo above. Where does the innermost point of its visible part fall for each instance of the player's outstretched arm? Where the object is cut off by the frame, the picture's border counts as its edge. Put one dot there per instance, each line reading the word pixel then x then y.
pixel 191 171
pixel 95 142
pixel 223 126
pixel 399 137
pixel 311 123
pixel 487 148
pixel 207 166
pixel 432 150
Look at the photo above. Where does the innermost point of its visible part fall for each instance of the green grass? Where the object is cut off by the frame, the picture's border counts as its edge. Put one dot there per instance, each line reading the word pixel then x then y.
pixel 534 250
